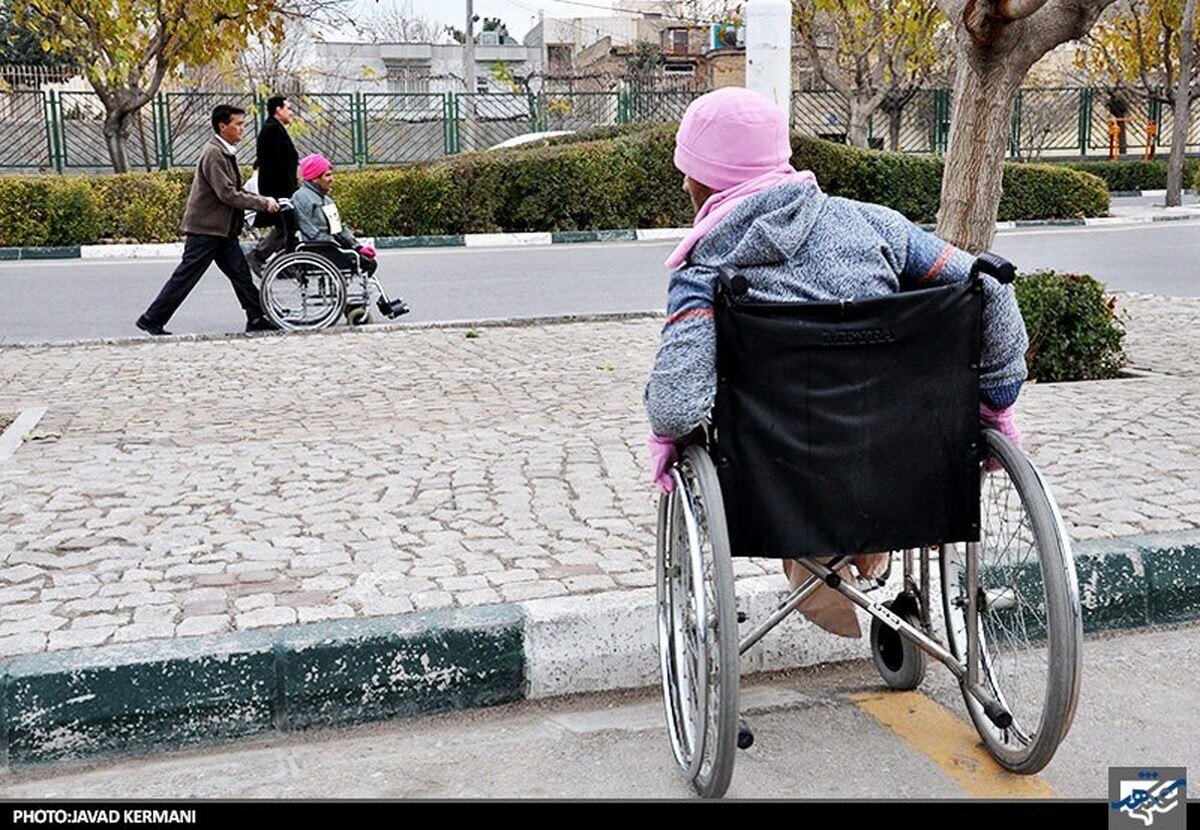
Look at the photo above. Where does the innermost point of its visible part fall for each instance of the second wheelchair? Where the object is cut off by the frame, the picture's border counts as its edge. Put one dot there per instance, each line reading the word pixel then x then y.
pixel 309 286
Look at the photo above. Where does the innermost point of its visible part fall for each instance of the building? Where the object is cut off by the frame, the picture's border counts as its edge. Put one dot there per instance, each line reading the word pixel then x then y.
pixel 435 68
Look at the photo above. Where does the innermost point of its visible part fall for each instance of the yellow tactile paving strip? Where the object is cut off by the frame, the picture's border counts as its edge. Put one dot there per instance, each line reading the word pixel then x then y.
pixel 951 743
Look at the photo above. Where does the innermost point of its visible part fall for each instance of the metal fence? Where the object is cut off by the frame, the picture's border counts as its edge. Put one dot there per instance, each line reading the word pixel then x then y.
pixel 62 131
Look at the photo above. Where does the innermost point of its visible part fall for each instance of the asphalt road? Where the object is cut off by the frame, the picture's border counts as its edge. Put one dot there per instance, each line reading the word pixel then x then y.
pixel 815 738
pixel 85 299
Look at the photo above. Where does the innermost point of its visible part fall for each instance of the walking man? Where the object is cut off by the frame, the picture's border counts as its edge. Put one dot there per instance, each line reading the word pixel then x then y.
pixel 277 162
pixel 212 223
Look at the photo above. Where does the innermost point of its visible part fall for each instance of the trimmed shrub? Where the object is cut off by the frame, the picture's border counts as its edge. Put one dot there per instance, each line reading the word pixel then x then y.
pixel 141 207
pixel 403 201
pixel 912 184
pixel 1134 175
pixel 1074 330
pixel 46 210
pixel 1031 191
pixel 627 180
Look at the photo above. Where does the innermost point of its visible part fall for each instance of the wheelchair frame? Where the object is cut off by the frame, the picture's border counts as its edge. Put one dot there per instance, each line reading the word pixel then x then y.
pixel 700 650
pixel 323 289
pixel 1005 599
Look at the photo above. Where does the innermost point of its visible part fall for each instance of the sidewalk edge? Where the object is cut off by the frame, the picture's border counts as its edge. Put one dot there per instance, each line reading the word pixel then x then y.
pixel 169 694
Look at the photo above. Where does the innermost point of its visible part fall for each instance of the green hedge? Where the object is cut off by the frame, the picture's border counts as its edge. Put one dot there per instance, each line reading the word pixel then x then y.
pixel 625 179
pixel 47 210
pixel 1135 175
pixel 1074 330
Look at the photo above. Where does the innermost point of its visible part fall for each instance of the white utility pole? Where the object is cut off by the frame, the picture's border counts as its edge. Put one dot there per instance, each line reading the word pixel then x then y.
pixel 469 50
pixel 545 50
pixel 769 50
pixel 467 136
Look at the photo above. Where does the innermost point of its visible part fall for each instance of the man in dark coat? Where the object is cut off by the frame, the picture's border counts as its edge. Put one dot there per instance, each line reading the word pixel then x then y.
pixel 277 163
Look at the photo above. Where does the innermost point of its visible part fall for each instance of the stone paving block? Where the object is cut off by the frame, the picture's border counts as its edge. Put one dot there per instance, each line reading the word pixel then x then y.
pixel 1173 579
pixel 273 616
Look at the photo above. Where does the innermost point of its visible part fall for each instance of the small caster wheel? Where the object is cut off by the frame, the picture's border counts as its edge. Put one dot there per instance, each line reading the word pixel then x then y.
pixel 358 316
pixel 900 663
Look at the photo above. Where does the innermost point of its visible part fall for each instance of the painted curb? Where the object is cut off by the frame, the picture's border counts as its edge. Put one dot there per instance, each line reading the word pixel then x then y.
pixel 119 700
pixel 168 694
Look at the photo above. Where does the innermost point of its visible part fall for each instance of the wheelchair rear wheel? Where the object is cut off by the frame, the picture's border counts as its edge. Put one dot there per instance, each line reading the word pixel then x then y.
pixel 302 290
pixel 1029 628
pixel 697 626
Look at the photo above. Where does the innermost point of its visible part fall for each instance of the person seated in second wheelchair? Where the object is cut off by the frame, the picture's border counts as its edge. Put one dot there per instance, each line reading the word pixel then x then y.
pixel 759 217
pixel 318 217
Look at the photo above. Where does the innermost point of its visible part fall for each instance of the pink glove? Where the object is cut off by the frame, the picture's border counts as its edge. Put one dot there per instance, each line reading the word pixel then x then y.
pixel 1001 420
pixel 663 452
pixel 367 250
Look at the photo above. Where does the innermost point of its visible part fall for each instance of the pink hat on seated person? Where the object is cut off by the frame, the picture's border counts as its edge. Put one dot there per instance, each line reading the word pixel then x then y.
pixel 314 166
pixel 730 136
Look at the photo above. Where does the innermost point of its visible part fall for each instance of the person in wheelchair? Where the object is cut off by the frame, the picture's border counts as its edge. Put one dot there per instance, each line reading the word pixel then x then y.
pixel 319 221
pixel 759 218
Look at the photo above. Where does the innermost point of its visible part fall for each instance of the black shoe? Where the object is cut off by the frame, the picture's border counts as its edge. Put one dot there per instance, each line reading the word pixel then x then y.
pixel 260 324
pixel 150 328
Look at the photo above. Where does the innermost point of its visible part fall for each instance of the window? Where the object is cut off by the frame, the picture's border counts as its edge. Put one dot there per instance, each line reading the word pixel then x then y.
pixel 559 57
pixel 402 77
pixel 679 41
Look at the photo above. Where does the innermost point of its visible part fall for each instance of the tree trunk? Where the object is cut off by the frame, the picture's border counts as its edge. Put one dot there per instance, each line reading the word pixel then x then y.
pixel 116 136
pixel 972 181
pixel 859 128
pixel 1181 111
pixel 895 121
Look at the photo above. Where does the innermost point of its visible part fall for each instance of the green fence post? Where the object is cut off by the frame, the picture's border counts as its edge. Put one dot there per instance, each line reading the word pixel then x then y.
pixel 358 125
pixel 160 131
pixel 48 116
pixel 941 120
pixel 60 135
pixel 451 120
pixel 1014 136
pixel 1085 120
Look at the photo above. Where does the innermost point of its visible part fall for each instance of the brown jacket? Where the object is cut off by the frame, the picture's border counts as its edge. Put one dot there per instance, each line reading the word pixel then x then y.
pixel 216 205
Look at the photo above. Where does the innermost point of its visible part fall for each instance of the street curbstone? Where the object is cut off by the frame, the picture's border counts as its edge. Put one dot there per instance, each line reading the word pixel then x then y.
pixel 386 242
pixel 1173 580
pixel 356 671
pixel 171 694
pixel 1112 585
pixel 129 699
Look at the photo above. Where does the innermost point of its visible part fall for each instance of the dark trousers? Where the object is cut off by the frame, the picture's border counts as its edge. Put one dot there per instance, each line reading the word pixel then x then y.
pixel 199 252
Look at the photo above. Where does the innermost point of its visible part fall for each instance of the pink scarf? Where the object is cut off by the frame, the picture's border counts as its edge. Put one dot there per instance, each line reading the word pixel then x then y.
pixel 720 204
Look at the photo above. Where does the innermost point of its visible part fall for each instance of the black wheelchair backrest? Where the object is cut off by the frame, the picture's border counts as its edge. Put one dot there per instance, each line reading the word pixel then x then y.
pixel 848 427
pixel 291 225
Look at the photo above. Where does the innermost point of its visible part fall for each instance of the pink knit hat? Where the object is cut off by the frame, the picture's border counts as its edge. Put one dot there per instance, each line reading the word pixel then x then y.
pixel 314 166
pixel 730 136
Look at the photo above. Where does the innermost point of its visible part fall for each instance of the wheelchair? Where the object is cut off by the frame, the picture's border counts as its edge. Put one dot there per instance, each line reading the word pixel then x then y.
pixel 850 428
pixel 307 286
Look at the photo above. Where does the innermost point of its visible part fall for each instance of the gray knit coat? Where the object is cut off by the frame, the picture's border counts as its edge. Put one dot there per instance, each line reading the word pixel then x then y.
pixel 795 243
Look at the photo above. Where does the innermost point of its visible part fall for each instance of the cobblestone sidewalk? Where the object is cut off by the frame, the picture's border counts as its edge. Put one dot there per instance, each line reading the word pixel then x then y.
pixel 218 485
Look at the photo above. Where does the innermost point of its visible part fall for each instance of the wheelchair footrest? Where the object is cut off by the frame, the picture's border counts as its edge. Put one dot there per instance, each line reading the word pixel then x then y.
pixel 393 308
